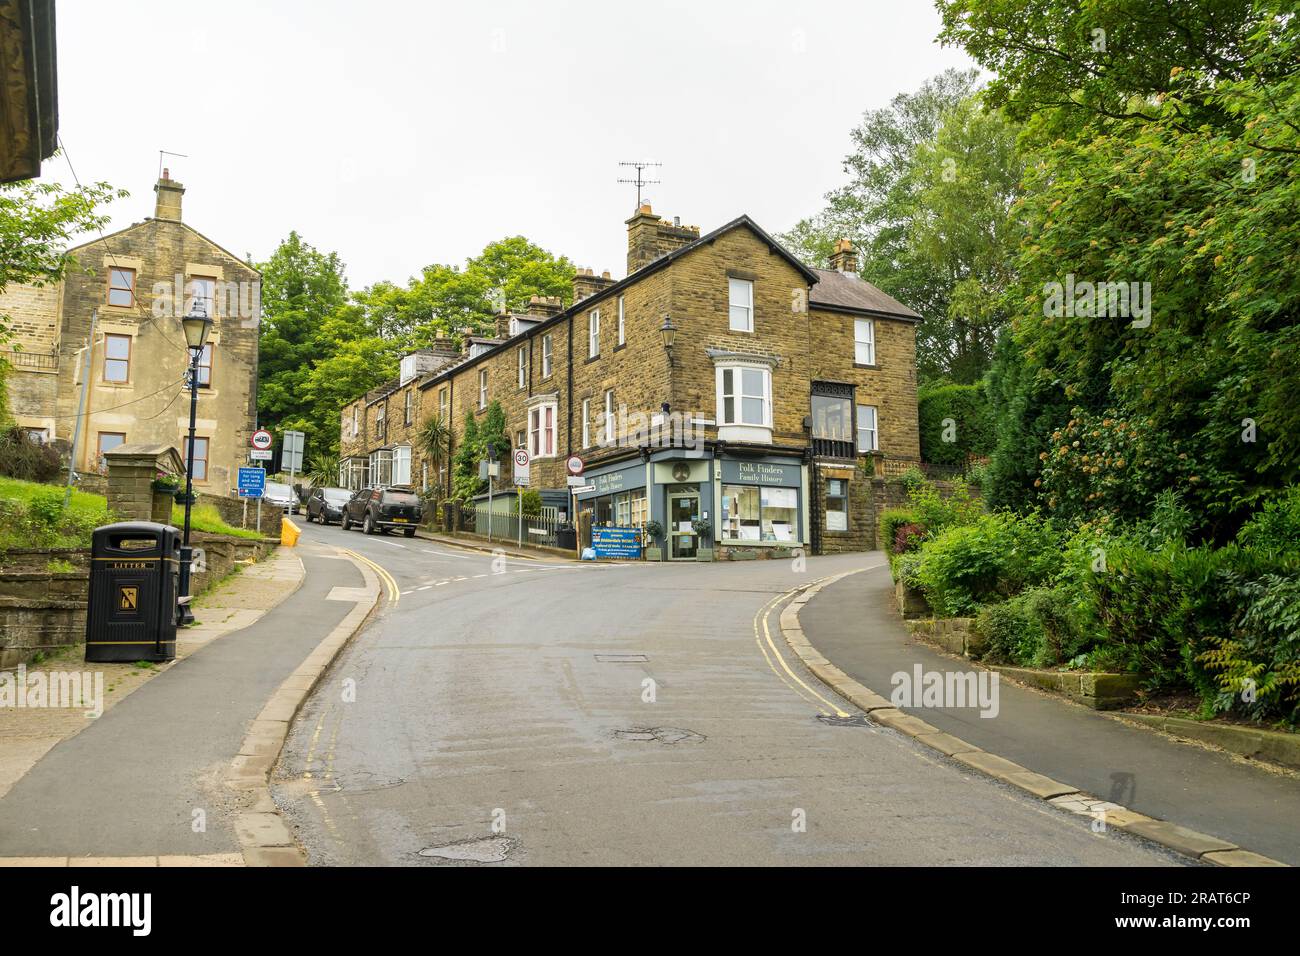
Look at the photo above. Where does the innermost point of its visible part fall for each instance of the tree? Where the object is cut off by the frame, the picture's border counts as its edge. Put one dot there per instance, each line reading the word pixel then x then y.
pixel 37 223
pixel 435 441
pixel 1162 168
pixel 931 181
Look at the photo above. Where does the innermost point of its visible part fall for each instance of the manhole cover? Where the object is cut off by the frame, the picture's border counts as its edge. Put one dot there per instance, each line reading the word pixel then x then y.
pixel 859 721
pixel 664 735
pixel 483 850
pixel 622 659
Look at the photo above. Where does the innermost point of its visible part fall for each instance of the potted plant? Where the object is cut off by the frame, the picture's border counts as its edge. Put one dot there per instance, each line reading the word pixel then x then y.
pixel 653 532
pixel 164 487
pixel 703 527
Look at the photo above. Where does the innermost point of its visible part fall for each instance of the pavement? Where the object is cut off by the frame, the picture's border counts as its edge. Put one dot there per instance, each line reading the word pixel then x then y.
pixel 505 711
pixel 145 781
pixel 852 624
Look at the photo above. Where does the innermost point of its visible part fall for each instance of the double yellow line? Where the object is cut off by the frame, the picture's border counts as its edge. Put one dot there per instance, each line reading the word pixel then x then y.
pixel 394 592
pixel 807 693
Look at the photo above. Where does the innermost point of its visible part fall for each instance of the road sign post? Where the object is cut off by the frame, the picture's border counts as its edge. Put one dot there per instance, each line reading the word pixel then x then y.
pixel 520 474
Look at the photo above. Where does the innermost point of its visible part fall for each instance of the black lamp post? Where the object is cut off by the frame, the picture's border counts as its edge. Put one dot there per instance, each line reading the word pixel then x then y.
pixel 668 335
pixel 197 325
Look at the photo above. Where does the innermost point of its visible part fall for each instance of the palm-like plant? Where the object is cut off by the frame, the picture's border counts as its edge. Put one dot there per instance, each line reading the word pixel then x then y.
pixel 323 471
pixel 435 441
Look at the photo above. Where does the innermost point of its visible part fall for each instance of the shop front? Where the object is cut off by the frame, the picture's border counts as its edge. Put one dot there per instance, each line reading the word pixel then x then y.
pixel 708 507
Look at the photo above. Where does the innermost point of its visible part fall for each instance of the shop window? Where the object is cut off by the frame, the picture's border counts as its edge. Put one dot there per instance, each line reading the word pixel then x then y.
pixel 837 504
pixel 756 513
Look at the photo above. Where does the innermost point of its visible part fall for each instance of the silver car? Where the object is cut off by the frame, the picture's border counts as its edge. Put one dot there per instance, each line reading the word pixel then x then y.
pixel 279 495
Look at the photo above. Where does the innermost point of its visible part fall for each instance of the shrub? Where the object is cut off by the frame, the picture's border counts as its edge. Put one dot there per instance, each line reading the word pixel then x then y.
pixel 971 429
pixel 1041 627
pixel 994 558
pixel 937 511
pixel 1256 667
pixel 20 457
pixel 908 537
pixel 904 568
pixel 890 521
pixel 1276 526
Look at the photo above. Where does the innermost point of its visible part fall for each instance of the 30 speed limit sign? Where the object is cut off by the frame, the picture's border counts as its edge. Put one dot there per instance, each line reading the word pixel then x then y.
pixel 521 467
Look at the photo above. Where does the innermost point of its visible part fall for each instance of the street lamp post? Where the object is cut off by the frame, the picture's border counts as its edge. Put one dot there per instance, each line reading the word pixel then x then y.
pixel 197 325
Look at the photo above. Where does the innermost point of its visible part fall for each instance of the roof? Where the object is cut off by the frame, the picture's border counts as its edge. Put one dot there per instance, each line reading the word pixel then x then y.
pixel 850 292
pixel 610 291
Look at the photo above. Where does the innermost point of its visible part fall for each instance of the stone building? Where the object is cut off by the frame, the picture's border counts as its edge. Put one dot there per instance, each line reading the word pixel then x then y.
pixel 722 380
pixel 137 283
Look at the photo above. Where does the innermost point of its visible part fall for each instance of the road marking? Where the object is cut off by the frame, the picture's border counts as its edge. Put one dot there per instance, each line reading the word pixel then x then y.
pixel 425 588
pixel 394 544
pixel 394 592
pixel 763 613
pixel 779 657
pixel 441 583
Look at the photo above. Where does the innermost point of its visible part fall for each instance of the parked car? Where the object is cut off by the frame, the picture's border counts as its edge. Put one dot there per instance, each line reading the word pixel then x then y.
pixel 279 495
pixel 327 504
pixel 383 509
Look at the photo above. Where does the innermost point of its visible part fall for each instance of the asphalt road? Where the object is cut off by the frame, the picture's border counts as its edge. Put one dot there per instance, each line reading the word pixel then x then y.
pixel 523 712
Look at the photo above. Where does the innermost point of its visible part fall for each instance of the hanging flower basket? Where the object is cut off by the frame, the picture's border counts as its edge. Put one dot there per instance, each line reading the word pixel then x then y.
pixel 166 484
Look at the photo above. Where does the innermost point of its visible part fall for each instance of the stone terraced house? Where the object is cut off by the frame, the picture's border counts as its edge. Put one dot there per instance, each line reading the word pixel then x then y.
pixel 137 283
pixel 722 380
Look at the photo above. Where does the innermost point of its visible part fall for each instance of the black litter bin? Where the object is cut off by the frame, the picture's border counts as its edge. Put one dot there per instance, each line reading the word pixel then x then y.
pixel 566 536
pixel 132 612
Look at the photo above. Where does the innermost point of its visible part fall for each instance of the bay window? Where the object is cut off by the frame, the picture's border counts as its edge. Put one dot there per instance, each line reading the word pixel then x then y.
pixel 744 396
pixel 541 431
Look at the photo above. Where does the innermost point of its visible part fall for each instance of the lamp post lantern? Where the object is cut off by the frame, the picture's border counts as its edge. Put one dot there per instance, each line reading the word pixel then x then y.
pixel 197 325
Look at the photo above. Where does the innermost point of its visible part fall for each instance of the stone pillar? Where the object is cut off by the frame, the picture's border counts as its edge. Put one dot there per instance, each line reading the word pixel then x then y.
pixel 131 471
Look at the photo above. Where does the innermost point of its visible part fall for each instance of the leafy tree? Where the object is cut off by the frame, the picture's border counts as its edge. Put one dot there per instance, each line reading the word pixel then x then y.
pixel 1164 157
pixel 931 180
pixel 37 223
pixel 435 441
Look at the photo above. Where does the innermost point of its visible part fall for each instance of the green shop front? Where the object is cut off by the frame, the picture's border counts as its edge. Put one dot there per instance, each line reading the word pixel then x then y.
pixel 709 504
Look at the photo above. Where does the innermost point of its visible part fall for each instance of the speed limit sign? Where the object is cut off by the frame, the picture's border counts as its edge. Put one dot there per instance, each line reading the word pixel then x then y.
pixel 521 467
pixel 261 439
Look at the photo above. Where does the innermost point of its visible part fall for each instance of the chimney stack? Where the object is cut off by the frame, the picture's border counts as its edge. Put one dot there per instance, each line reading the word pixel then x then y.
pixel 650 238
pixel 169 193
pixel 586 284
pixel 845 257
pixel 545 306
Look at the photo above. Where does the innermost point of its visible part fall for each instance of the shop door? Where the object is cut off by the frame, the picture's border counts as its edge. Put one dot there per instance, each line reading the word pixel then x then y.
pixel 683 508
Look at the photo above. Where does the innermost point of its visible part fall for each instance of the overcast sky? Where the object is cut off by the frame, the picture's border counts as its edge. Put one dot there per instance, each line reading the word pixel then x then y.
pixel 401 134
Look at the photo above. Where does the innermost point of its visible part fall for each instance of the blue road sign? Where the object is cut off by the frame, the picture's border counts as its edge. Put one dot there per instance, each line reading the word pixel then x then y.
pixel 252 482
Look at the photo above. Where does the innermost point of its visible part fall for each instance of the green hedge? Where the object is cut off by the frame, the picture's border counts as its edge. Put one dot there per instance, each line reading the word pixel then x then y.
pixel 972 423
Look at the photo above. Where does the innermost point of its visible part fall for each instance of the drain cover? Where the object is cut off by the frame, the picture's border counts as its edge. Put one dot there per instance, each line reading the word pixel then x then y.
pixel 858 721
pixel 622 659
pixel 483 850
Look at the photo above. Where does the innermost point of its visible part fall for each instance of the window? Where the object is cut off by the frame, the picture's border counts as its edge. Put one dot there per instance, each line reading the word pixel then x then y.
pixel 356 423
pixel 443 401
pixel 117 358
pixel 408 406
pixel 742 305
pixel 523 367
pixel 837 504
pixel 868 437
pixel 864 341
pixel 754 513
pixel 832 417
pixel 121 287
pixel 609 417
pixel 622 337
pixel 546 356
pixel 521 439
pixel 381 467
pixel 200 457
pixel 482 388
pixel 541 431
pixel 205 366
pixel 630 509
pixel 745 396
pixel 107 442
pixel 586 423
pixel 381 423
pixel 201 296
pixel 402 465
pixel 593 334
